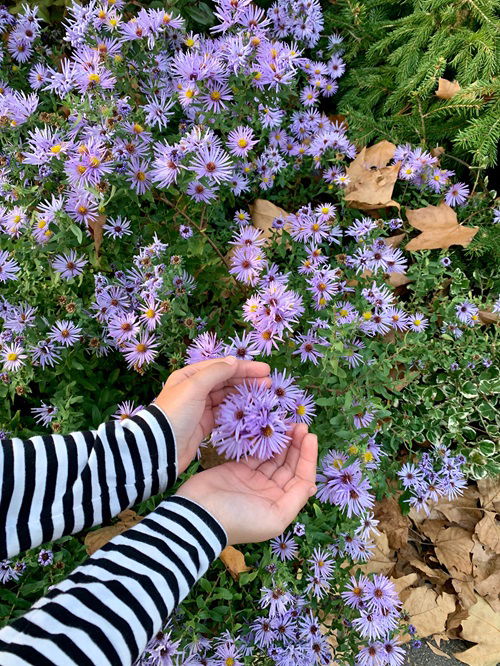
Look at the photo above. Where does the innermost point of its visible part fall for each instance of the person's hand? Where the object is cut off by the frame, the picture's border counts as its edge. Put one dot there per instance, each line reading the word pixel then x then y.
pixel 254 500
pixel 191 395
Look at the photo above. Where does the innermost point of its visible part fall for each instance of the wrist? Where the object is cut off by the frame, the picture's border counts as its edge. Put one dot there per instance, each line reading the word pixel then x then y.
pixel 206 505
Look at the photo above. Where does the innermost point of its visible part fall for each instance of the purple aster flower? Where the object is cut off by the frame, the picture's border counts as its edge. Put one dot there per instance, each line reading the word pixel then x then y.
pixel 354 590
pixel 411 476
pixel 12 356
pixel 418 322
pixel 263 632
pixel 285 390
pixel 417 644
pixel 322 563
pixel 44 414
pixel 299 529
pixel 117 227
pixel 284 547
pixel 466 311
pixel 240 141
pixel 363 418
pixel 213 163
pixel 457 194
pixel 123 326
pixel 242 347
pixel 246 264
pixel 139 175
pixel 46 353
pixel 6 572
pixel 65 333
pixel 304 408
pixel 205 346
pixel 200 192
pixel 45 557
pixel 317 586
pixel 445 261
pixel 307 347
pixel 380 594
pixel 371 655
pixel 141 350
pixel 69 265
pixel 185 231
pixel 151 313
pixel 8 267
pixel 125 410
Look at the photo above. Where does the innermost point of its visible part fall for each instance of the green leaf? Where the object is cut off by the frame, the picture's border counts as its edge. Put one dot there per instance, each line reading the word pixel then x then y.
pixel 77 232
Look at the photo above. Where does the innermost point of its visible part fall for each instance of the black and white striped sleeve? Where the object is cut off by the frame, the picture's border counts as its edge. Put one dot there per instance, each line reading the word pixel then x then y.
pixel 109 608
pixel 53 485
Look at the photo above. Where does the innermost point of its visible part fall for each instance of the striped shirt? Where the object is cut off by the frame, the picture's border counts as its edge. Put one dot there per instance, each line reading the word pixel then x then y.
pixel 108 609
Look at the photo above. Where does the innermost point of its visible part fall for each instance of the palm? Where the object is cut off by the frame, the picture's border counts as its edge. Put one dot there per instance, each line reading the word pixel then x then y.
pixel 255 499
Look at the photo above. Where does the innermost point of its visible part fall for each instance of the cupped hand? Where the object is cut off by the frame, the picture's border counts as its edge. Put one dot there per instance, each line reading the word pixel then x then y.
pixel 192 394
pixel 254 500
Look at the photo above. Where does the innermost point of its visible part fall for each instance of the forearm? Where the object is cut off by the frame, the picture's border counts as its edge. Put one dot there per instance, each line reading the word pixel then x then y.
pixel 110 607
pixel 54 485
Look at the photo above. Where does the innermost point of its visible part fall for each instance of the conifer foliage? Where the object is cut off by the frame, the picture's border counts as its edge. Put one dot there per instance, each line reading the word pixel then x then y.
pixel 396 55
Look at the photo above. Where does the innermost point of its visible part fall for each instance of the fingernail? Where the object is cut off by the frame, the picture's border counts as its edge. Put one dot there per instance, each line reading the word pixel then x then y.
pixel 230 359
pixel 312 490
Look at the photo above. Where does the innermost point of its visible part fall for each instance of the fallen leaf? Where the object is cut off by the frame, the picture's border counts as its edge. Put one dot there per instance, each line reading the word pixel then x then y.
pixel 439 227
pixel 379 155
pixel 234 561
pixel 482 626
pixel 447 89
pixel 398 279
pixel 429 611
pixel 465 591
pixel 370 188
pixel 392 522
pixel 488 317
pixel 489 493
pixel 437 576
pixel 488 532
pixel 394 241
pixel 454 622
pixel 463 510
pixel 437 651
pixel 484 561
pixel 210 458
pixel 404 582
pixel 263 214
pixel 489 589
pixel 382 558
pixel 98 538
pixel 431 528
pixel 453 548
pixel 437 151
pixel 96 230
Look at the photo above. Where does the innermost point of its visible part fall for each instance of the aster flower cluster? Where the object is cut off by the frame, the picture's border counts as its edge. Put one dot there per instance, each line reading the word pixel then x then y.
pixel 421 169
pixel 255 419
pixel 378 606
pixel 436 474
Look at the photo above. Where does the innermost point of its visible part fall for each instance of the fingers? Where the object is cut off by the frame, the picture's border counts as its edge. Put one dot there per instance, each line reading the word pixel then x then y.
pixel 241 370
pixel 286 470
pixel 302 485
pixel 217 395
pixel 271 467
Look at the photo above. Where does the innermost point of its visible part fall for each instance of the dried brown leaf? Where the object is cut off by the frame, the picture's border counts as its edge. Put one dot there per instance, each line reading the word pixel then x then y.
pixel 465 591
pixel 462 510
pixel 379 155
pixel 394 241
pixel 437 651
pixel 453 548
pixel 484 561
pixel 234 561
pixel 429 611
pixel 489 493
pixel 439 227
pixel 432 528
pixel 488 531
pixel 209 457
pixel 404 582
pixel 99 538
pixel 489 588
pixel 392 522
pixel 447 89
pixel 487 317
pixel 398 279
pixel 382 558
pixel 436 576
pixel 371 188
pixel 96 231
pixel 482 626
pixel 263 214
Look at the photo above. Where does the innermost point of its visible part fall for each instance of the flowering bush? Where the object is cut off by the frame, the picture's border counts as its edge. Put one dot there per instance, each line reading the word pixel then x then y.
pixel 129 156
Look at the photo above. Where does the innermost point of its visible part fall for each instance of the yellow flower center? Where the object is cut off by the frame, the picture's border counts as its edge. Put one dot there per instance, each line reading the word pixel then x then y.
pixel 189 93
pixel 417 322
pixel 95 162
pixel 137 128
pixel 367 456
pixel 94 78
pixel 141 175
pixel 338 463
pixel 150 313
pixel 353 449
pixel 367 315
pixel 189 41
pixel 81 169
pixel 141 348
pixel 301 410
pixel 229 661
pixel 343 313
pixel 41 224
pixel 56 149
pixel 242 143
pixel 12 356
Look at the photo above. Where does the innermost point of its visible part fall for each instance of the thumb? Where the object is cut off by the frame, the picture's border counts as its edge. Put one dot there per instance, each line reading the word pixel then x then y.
pixel 207 378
